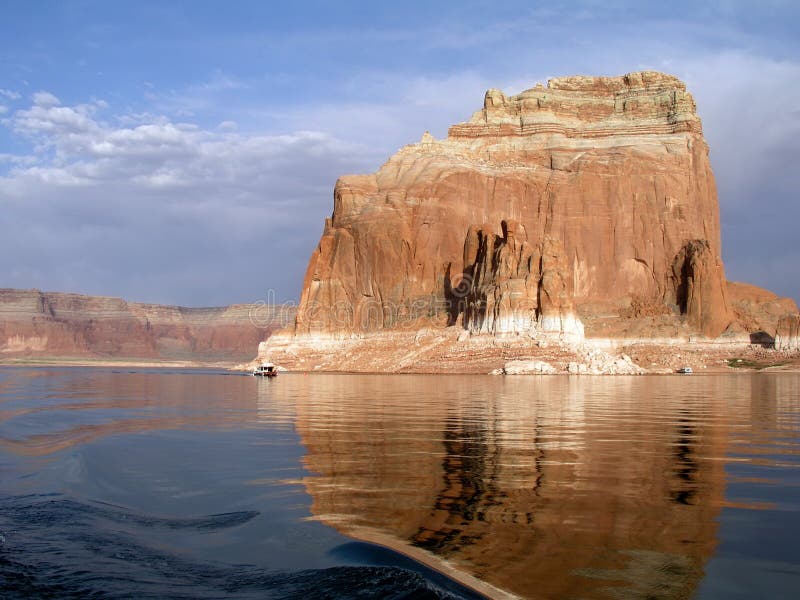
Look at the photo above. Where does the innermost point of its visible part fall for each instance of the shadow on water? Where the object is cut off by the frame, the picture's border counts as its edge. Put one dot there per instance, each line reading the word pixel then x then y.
pixel 372 554
pixel 52 546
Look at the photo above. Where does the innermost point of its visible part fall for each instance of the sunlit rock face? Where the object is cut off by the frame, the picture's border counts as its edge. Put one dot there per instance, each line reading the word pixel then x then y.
pixel 566 200
pixel 788 333
pixel 700 287
pixel 757 310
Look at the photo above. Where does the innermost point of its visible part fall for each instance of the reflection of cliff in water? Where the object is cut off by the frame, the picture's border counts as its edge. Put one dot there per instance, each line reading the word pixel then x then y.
pixel 585 487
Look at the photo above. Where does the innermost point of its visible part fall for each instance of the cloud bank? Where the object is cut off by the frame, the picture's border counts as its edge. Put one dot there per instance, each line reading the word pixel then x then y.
pixel 140 202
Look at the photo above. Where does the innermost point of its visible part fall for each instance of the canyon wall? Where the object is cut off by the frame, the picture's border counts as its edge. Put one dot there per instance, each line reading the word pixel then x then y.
pixel 47 324
pixel 586 208
pixel 580 213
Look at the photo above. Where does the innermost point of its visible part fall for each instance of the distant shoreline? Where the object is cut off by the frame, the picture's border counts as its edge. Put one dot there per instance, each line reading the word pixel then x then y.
pixel 110 362
pixel 77 362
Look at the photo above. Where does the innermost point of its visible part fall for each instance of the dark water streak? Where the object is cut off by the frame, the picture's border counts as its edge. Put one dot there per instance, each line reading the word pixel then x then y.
pixel 60 548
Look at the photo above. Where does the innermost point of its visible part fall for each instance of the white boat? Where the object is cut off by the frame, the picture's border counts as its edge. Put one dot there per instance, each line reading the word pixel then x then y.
pixel 685 370
pixel 266 369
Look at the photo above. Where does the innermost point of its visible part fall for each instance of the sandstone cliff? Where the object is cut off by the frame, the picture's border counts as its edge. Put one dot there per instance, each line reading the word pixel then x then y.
pixel 45 324
pixel 758 310
pixel 586 207
pixel 788 334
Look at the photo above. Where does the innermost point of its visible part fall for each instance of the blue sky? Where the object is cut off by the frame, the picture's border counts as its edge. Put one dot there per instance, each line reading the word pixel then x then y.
pixel 185 152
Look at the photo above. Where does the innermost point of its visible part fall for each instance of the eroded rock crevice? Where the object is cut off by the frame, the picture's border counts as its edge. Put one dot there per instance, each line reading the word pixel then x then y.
pixel 513 285
pixel 699 288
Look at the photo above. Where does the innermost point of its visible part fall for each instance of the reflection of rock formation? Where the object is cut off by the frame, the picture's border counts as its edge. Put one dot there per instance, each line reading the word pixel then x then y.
pixel 607 493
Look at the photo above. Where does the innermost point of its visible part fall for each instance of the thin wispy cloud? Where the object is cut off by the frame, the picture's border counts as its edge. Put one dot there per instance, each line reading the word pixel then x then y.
pixel 10 94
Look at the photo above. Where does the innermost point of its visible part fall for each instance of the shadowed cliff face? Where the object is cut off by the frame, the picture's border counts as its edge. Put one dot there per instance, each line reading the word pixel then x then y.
pixel 609 178
pixel 586 488
pixel 514 286
pixel 46 324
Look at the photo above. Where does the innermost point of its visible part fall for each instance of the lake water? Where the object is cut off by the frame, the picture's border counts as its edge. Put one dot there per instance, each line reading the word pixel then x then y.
pixel 200 484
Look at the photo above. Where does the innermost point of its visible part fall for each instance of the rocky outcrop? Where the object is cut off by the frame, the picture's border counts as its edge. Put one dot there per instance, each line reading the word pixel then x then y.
pixel 525 367
pixel 605 181
pixel 597 362
pixel 757 311
pixel 787 336
pixel 700 288
pixel 48 324
pixel 513 286
pixel 584 207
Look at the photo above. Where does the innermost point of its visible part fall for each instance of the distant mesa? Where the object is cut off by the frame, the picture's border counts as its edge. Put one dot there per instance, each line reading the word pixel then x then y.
pixel 583 210
pixel 40 325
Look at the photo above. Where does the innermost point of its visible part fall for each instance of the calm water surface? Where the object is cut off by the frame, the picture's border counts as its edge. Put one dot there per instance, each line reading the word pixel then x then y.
pixel 193 484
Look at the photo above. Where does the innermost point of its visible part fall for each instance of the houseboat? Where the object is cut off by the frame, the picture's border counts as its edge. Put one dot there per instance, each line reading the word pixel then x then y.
pixel 266 369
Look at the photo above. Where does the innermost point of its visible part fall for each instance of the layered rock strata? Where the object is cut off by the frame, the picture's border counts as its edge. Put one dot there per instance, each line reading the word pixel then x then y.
pixel 556 211
pixel 48 324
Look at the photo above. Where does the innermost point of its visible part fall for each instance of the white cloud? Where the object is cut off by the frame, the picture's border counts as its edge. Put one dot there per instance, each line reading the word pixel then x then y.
pixel 9 94
pixel 45 99
pixel 751 117
pixel 161 210
pixel 220 89
pixel 3 109
pixel 17 159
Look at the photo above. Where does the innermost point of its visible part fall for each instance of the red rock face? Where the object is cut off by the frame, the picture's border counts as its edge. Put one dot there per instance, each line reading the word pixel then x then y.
pixel 34 323
pixel 700 288
pixel 606 190
pixel 788 333
pixel 513 286
pixel 758 310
